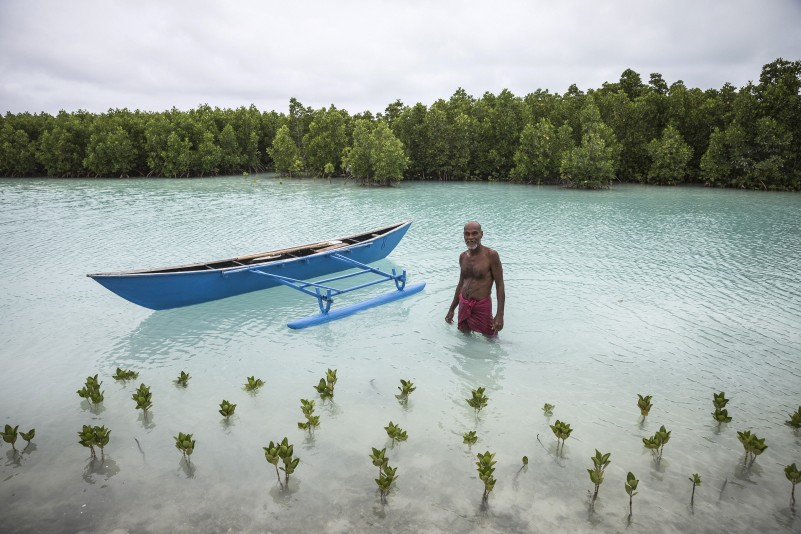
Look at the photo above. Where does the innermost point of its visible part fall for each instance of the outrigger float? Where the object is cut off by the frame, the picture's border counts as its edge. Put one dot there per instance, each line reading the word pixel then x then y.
pixel 183 285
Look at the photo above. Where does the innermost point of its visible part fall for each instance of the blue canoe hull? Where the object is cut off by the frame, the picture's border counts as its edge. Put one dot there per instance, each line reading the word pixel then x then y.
pixel 174 287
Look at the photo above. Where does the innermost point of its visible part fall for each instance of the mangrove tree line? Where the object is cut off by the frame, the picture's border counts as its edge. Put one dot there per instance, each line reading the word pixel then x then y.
pixel 629 130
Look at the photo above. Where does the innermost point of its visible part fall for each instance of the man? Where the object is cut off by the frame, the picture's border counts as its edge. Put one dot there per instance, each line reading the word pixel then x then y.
pixel 480 266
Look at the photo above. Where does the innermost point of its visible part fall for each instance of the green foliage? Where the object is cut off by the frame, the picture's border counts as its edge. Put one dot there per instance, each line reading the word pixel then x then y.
pixel 183 379
pixel 478 399
pixel 185 444
pixel 753 445
pixel 285 452
pixel 312 421
pixel 631 487
pixel 253 383
pixel 405 389
pixel 91 391
pixel 10 435
pixel 657 442
pixel 644 403
pixel 125 374
pixel 379 458
pixel 376 155
pixel 562 431
pixel 721 415
pixel 143 398
pixel 486 469
pixel 525 460
pixel 102 436
pixel 29 435
pixel 386 477
pixel 547 409
pixel 227 409
pixel 669 158
pixel 795 419
pixel 696 480
pixel 91 436
pixel 794 476
pixel 326 385
pixel 600 462
pixel 284 152
pixel 395 433
pixel 325 140
pixel 540 152
pixel 470 437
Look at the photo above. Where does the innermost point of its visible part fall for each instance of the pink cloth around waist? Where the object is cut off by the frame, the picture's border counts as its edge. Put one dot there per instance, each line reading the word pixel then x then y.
pixel 476 315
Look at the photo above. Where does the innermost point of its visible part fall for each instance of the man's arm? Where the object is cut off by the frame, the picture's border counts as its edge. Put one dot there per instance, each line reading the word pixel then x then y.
pixel 455 301
pixel 500 290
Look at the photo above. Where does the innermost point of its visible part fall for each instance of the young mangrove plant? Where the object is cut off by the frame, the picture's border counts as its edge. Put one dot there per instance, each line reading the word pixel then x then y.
pixel 10 435
pixel 795 419
pixel 282 451
pixel 562 431
pixel 86 437
pixel 753 445
pixel 547 409
pixel 227 409
pixel 28 436
pixel 631 488
pixel 478 400
pixel 185 444
pixel 395 433
pixel 326 386
pixel 253 383
pixel 183 379
pixel 599 461
pixel 644 403
pixel 379 459
pixel 101 437
pixel 312 421
pixel 405 389
pixel 721 415
pixel 486 469
pixel 696 480
pixel 657 442
pixel 525 461
pixel 794 476
pixel 386 476
pixel 143 398
pixel 125 374
pixel 91 391
pixel 470 437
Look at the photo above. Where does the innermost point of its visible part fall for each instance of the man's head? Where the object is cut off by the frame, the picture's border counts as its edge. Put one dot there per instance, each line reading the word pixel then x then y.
pixel 472 235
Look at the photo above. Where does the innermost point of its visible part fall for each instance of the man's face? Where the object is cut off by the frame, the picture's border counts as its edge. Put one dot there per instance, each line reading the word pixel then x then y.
pixel 472 235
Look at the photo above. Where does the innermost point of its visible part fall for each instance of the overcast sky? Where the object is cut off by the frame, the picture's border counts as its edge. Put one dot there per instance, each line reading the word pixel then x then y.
pixel 363 55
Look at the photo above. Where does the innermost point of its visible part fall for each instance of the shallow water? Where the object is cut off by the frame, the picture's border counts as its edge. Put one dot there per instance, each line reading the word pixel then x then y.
pixel 673 292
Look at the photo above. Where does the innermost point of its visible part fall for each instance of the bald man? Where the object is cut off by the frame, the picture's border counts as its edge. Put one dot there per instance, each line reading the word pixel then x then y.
pixel 480 267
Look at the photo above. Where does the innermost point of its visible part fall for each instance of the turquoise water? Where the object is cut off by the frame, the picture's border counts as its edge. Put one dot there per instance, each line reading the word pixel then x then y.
pixel 677 293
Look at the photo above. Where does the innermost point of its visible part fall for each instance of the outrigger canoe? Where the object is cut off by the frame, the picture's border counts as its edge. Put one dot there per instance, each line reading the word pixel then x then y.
pixel 184 285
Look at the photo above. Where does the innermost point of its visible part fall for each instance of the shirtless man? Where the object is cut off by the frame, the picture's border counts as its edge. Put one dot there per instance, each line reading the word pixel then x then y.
pixel 480 266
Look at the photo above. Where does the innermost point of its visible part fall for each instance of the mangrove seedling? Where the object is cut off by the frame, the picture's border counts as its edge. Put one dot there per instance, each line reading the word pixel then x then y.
pixel 227 409
pixel 631 488
pixel 395 433
pixel 271 455
pixel 599 461
pixel 548 409
pixel 386 477
pixel 253 383
pixel 721 415
pixel 657 442
pixel 285 450
pixel 753 445
pixel 562 431
pixel 326 386
pixel 143 398
pixel 91 391
pixel 470 437
pixel 86 437
pixel 28 436
pixel 525 460
pixel 405 389
pixel 312 421
pixel 485 465
pixel 125 374
pixel 185 444
pixel 696 480
pixel 10 435
pixel 478 400
pixel 102 436
pixel 379 459
pixel 644 403
pixel 794 476
pixel 795 419
pixel 183 379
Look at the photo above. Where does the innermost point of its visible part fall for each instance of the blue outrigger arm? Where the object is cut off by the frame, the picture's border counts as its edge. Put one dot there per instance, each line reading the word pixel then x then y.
pixel 325 293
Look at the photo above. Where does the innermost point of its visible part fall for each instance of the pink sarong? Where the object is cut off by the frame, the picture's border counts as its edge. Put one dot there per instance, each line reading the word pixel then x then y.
pixel 476 315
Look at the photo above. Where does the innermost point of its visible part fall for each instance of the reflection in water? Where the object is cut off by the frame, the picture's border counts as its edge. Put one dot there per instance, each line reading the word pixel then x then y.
pixel 188 468
pixel 282 495
pixel 103 466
